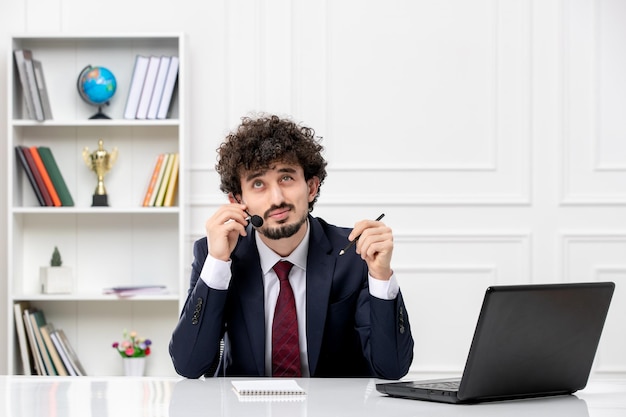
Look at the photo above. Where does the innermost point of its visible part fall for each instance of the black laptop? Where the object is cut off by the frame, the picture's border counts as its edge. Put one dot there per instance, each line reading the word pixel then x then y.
pixel 530 341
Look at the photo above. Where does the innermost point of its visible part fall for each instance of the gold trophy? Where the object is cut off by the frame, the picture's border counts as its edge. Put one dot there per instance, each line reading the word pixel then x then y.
pixel 100 162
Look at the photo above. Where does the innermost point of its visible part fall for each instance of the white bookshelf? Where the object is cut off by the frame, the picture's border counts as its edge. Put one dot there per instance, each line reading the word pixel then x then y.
pixel 123 244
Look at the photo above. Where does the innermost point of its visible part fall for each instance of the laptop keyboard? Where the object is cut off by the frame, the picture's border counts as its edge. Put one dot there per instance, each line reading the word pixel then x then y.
pixel 442 385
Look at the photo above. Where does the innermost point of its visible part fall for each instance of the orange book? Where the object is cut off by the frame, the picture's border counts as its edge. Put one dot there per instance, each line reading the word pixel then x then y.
pixel 153 180
pixel 56 201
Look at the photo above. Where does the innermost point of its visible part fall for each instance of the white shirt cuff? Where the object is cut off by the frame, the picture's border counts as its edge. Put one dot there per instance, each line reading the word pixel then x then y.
pixel 385 290
pixel 216 273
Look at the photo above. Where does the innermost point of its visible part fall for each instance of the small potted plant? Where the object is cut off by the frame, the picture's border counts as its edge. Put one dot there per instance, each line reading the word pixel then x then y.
pixel 133 349
pixel 56 279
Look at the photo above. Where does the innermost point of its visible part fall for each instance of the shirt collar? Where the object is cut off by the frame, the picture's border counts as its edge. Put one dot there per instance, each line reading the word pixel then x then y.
pixel 269 258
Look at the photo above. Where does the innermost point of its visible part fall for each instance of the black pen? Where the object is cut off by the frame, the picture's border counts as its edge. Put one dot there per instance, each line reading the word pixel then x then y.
pixel 352 242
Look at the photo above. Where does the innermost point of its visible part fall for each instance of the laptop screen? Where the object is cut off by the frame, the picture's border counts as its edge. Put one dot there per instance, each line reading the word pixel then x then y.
pixel 530 340
pixel 535 339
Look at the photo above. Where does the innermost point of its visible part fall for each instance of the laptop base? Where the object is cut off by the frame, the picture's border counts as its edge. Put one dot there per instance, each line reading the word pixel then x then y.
pixel 402 390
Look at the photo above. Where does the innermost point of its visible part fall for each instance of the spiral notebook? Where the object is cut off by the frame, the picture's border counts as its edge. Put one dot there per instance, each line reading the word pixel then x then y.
pixel 268 387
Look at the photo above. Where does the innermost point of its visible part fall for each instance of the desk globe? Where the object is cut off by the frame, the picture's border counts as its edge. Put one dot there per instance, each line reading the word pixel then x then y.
pixel 96 85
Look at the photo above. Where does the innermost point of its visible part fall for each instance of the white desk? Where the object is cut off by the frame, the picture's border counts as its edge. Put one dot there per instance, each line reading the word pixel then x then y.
pixel 146 397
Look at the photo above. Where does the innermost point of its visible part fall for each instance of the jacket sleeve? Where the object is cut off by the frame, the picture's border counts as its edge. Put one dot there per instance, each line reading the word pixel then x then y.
pixel 386 337
pixel 195 343
pixel 391 341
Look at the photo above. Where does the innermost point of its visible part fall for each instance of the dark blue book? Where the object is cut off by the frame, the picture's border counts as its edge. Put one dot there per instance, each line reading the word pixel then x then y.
pixel 29 175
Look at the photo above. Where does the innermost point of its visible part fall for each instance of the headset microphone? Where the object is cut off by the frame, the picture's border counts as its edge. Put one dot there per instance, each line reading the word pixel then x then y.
pixel 257 221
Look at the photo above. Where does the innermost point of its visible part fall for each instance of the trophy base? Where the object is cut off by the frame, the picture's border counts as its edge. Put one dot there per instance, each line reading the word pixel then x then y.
pixel 100 200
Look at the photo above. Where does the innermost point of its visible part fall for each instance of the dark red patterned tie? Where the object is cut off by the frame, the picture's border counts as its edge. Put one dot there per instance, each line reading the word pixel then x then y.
pixel 285 346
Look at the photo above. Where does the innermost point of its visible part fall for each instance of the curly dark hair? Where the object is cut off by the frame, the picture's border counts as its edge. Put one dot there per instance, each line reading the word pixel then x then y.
pixel 259 142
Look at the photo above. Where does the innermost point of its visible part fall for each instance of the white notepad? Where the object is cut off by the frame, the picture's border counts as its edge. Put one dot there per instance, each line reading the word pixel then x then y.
pixel 268 387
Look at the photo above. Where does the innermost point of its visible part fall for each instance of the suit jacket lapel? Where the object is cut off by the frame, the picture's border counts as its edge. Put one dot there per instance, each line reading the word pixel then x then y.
pixel 319 274
pixel 249 282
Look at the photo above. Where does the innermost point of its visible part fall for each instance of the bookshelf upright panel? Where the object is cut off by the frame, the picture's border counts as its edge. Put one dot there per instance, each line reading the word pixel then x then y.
pixel 122 244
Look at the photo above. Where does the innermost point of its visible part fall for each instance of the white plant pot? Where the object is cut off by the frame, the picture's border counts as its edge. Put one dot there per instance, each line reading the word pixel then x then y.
pixel 134 366
pixel 56 279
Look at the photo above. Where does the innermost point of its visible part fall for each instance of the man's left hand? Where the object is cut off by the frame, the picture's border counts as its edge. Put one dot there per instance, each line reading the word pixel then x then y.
pixel 375 245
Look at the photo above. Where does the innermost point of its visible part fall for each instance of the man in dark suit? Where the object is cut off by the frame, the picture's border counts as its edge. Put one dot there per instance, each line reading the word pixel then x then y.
pixel 346 316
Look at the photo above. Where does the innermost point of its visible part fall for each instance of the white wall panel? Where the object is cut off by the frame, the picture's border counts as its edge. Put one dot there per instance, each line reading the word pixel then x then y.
pixel 445 78
pixel 610 152
pixel 594 127
pixel 243 60
pixel 277 62
pixel 310 61
pixel 447 108
pixel 510 254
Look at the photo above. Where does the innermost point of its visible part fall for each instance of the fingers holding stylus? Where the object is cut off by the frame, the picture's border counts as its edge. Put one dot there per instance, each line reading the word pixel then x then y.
pixel 375 237
pixel 374 242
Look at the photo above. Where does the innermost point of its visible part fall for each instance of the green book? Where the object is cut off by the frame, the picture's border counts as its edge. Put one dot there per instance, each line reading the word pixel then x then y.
pixel 55 176
pixel 38 319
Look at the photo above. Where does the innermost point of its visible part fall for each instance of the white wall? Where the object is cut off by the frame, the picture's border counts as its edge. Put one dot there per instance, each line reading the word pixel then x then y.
pixel 491 133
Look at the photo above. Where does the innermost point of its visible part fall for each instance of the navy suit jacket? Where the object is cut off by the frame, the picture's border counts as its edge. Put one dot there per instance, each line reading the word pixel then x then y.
pixel 349 332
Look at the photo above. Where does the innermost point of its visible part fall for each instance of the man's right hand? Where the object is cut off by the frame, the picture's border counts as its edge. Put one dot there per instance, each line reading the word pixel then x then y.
pixel 223 229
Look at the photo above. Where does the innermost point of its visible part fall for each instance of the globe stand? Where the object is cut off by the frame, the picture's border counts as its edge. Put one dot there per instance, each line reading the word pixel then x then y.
pixel 100 114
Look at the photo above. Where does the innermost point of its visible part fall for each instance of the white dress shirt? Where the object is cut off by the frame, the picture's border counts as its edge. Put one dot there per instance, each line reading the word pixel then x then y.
pixel 216 274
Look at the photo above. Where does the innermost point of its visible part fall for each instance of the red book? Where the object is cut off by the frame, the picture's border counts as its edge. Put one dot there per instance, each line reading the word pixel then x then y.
pixel 38 179
pixel 56 201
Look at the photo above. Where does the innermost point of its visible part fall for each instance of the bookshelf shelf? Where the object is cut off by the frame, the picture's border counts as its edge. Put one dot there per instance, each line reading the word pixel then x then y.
pixel 169 298
pixel 94 123
pixel 120 245
pixel 59 211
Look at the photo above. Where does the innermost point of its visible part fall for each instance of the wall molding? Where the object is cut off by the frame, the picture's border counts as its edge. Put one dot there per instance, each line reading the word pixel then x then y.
pixel 592 170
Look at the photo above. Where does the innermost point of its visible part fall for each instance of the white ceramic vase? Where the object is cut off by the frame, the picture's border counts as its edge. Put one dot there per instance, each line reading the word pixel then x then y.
pixel 134 366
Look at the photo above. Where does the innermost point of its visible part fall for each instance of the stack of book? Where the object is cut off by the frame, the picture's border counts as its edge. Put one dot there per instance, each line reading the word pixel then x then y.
pixel 161 191
pixel 33 84
pixel 151 87
pixel 44 176
pixel 44 350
